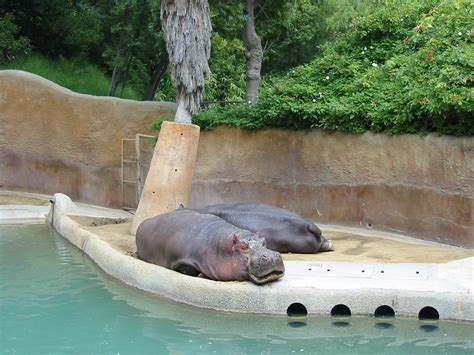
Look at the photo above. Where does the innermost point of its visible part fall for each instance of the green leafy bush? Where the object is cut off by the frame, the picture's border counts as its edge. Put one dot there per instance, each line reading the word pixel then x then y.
pixel 406 68
pixel 11 43
pixel 76 75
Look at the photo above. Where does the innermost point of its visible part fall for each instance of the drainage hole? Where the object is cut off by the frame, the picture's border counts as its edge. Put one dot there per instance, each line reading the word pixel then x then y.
pixel 340 310
pixel 328 270
pixel 382 272
pixel 428 313
pixel 363 270
pixel 296 310
pixel 384 312
pixel 175 169
pixel 417 272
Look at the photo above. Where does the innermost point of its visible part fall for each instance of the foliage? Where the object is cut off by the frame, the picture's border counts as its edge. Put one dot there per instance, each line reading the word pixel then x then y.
pixel 227 81
pixel 55 27
pixel 291 31
pixel 78 76
pixel 11 44
pixel 134 43
pixel 407 68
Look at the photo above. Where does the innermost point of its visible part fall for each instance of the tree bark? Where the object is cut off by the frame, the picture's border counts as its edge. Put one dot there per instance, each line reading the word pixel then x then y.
pixel 157 75
pixel 117 72
pixel 115 80
pixel 187 29
pixel 253 52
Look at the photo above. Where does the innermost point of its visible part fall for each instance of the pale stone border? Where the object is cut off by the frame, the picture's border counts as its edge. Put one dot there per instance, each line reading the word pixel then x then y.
pixel 447 287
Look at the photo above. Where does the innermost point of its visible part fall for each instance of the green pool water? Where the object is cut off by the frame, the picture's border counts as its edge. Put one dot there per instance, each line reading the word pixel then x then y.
pixel 54 299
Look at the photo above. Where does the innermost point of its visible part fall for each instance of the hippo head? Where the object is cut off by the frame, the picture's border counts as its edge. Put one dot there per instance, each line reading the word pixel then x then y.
pixel 261 264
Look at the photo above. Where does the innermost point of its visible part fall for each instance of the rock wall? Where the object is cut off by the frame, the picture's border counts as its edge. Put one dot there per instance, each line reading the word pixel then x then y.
pixel 422 186
pixel 54 140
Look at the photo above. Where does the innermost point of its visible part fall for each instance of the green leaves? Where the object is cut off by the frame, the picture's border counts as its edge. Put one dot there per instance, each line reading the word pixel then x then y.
pixel 406 69
pixel 11 43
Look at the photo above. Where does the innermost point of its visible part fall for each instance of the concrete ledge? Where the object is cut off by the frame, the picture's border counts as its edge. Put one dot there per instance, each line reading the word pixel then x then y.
pixel 20 214
pixel 446 287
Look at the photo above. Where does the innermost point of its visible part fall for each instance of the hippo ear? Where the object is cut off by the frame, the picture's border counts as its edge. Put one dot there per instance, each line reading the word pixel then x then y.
pixel 232 241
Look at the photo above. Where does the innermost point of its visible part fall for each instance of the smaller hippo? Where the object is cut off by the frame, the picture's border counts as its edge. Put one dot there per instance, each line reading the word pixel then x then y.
pixel 284 231
pixel 194 243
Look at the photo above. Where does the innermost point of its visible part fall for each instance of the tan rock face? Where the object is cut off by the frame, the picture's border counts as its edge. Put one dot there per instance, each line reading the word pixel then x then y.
pixel 422 186
pixel 53 140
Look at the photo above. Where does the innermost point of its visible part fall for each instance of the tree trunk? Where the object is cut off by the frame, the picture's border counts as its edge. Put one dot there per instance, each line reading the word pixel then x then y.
pixel 157 75
pixel 183 115
pixel 117 72
pixel 253 52
pixel 187 29
pixel 124 76
pixel 115 80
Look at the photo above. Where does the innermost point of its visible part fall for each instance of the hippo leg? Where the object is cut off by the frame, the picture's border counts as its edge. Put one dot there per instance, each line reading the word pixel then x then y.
pixel 326 245
pixel 185 268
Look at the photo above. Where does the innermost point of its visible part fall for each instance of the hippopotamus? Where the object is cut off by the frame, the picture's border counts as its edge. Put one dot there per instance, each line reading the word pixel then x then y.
pixel 284 231
pixel 205 245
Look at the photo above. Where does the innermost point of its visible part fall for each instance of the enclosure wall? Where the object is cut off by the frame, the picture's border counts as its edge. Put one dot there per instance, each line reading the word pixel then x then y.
pixel 54 140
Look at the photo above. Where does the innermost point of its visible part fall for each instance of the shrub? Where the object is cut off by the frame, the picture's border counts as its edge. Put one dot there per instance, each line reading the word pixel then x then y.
pixel 76 75
pixel 407 68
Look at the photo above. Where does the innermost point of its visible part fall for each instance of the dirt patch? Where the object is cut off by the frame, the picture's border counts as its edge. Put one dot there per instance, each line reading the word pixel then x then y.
pixel 348 247
pixel 363 249
pixel 98 221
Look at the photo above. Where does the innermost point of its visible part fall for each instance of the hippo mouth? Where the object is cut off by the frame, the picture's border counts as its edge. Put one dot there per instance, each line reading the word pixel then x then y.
pixel 271 276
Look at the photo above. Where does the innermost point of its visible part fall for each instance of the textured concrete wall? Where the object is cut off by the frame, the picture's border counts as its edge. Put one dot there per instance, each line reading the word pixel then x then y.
pixel 421 186
pixel 55 140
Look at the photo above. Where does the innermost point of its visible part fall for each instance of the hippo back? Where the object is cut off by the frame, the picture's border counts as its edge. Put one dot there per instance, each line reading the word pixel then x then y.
pixel 284 231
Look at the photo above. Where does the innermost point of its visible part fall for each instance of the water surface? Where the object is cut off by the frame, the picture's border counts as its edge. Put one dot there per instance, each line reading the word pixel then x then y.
pixel 54 299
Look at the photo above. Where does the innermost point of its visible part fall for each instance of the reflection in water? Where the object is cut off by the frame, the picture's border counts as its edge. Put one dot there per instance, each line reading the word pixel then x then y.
pixel 341 324
pixel 429 328
pixel 54 299
pixel 296 324
pixel 383 325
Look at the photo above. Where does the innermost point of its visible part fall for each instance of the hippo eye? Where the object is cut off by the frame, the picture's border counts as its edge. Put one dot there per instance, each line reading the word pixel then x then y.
pixel 244 245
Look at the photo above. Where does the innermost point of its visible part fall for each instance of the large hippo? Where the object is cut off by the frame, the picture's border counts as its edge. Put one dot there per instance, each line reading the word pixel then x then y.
pixel 284 231
pixel 195 243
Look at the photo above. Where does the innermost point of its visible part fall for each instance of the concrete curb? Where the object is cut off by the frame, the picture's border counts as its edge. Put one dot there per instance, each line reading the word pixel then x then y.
pixel 446 287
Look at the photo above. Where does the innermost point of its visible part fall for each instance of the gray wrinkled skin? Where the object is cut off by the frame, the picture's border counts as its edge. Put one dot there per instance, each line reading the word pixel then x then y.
pixel 202 244
pixel 284 231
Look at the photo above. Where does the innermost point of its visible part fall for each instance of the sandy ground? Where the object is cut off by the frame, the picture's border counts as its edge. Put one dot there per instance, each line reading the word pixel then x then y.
pixel 348 247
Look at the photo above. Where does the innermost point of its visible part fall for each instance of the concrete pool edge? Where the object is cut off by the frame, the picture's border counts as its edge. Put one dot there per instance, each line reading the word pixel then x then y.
pixel 452 300
pixel 447 288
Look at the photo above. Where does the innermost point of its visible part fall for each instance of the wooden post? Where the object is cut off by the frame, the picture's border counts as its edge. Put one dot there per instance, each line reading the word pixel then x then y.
pixel 169 180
